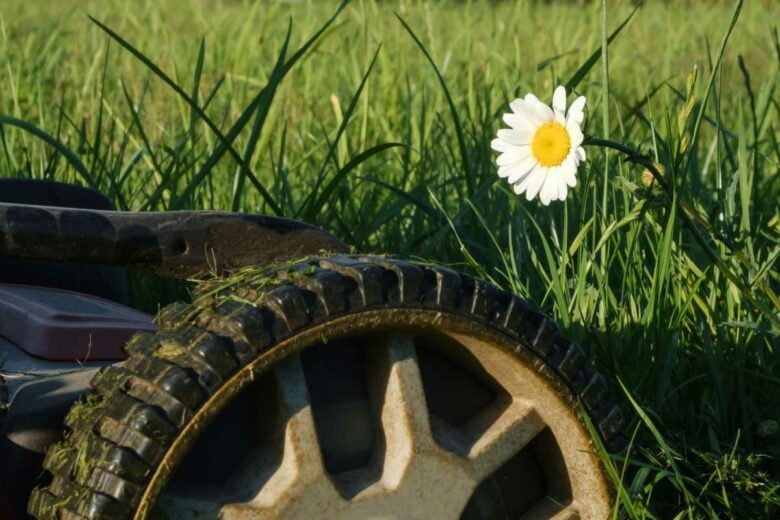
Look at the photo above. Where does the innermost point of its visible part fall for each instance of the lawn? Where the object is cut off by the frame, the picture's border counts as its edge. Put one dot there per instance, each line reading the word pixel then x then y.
pixel 381 133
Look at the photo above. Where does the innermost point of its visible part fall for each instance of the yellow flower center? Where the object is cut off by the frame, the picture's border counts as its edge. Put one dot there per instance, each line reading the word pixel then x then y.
pixel 551 144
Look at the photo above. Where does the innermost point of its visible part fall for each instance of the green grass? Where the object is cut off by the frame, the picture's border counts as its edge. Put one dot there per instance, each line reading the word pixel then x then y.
pixel 672 291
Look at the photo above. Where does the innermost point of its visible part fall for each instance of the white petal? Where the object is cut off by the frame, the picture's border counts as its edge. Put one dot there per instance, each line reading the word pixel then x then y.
pixel 526 121
pixel 508 159
pixel 580 154
pixel 561 186
pixel 504 170
pixel 522 170
pixel 559 99
pixel 575 133
pixel 570 178
pixel 544 114
pixel 500 145
pixel 522 185
pixel 519 179
pixel 508 171
pixel 562 190
pixel 516 104
pixel 543 195
pixel 569 170
pixel 514 156
pixel 577 110
pixel 526 117
pixel 559 104
pixel 549 190
pixel 511 119
pixel 536 182
pixel 515 137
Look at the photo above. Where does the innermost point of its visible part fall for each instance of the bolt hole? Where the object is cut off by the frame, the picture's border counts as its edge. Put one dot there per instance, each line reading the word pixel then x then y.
pixel 181 247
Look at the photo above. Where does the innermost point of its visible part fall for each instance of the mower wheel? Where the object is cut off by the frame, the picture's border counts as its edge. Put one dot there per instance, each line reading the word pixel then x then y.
pixel 339 387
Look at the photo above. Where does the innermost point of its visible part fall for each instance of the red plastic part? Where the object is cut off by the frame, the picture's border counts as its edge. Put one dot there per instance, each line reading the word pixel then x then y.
pixel 66 326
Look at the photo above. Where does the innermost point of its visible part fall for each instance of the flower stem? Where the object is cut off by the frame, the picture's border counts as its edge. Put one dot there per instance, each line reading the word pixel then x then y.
pixel 689 214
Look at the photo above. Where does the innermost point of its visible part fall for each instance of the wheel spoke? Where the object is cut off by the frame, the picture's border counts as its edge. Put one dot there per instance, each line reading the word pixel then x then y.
pixel 507 430
pixel 551 510
pixel 302 470
pixel 301 445
pixel 404 410
pixel 570 513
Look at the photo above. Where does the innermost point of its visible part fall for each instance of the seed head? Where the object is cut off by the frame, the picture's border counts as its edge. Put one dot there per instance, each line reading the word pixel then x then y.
pixel 648 179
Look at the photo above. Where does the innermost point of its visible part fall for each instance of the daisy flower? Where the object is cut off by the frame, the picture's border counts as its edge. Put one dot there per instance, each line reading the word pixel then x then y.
pixel 542 147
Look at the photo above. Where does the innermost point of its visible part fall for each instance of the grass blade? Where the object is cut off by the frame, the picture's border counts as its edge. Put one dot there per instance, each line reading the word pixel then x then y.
pixel 312 204
pixel 464 152
pixel 591 61
pixel 63 150
pixel 315 207
pixel 262 113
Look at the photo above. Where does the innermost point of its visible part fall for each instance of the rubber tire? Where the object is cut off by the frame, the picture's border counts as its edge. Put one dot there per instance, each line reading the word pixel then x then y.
pixel 117 437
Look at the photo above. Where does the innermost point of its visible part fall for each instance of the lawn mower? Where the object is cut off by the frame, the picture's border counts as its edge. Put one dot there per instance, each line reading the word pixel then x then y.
pixel 301 381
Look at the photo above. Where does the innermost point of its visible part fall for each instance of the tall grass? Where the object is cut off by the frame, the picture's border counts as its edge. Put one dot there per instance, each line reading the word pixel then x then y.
pixel 378 130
